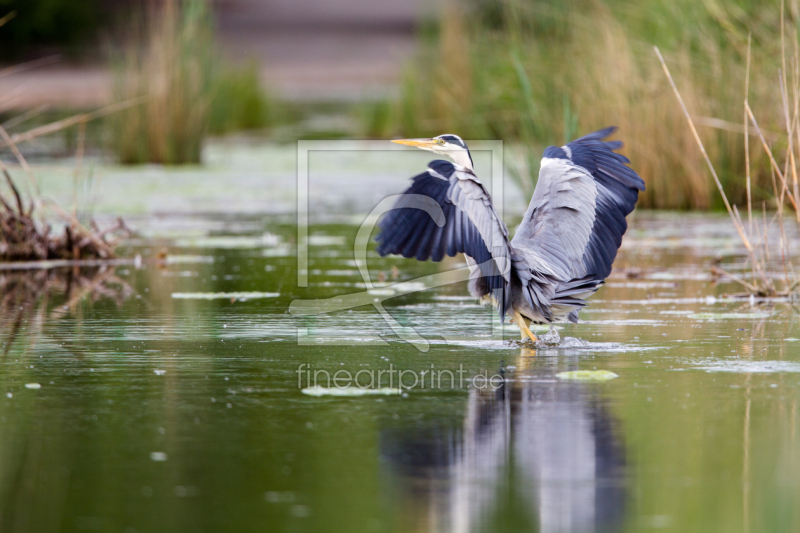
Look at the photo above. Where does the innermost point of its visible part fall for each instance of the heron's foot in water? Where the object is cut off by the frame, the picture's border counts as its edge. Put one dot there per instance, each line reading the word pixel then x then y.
pixel 528 334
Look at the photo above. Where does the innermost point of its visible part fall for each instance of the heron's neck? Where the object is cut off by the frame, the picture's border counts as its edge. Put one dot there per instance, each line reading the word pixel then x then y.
pixel 461 158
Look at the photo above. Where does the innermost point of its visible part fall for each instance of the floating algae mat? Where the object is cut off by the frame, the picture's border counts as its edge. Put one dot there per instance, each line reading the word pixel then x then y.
pixel 587 375
pixel 223 295
pixel 350 391
pixel 744 366
pixel 230 242
pixel 728 316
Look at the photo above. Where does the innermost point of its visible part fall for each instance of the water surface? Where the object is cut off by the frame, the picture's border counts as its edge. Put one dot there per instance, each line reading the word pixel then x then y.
pixel 166 394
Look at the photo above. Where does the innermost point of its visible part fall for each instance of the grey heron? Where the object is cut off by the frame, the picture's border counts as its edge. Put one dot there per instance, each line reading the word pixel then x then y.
pixel 561 252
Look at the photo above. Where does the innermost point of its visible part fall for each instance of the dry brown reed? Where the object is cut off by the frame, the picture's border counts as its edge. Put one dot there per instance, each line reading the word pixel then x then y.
pixel 169 63
pixel 625 93
pixel 535 83
pixel 754 235
pixel 24 238
pixel 189 92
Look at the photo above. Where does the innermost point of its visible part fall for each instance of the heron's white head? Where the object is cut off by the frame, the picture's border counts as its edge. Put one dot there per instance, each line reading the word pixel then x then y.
pixel 447 145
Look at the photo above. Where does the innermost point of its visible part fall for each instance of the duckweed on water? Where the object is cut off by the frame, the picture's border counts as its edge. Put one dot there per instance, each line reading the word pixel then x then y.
pixel 268 240
pixel 743 366
pixel 727 316
pixel 223 295
pixel 350 391
pixel 587 375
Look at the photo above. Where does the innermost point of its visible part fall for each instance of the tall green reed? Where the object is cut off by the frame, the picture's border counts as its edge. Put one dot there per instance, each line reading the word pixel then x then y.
pixel 172 61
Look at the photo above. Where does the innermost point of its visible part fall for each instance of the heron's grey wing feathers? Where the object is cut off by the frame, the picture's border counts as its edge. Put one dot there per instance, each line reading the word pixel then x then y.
pixel 576 218
pixel 546 252
pixel 556 228
pixel 618 188
pixel 569 236
pixel 471 226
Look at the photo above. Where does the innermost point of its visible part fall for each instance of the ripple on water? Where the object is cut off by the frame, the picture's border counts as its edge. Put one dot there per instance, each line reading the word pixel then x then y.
pixel 627 322
pixel 572 343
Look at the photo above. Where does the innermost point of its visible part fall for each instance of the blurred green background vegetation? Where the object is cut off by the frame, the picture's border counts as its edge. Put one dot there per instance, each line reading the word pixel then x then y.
pixel 530 72
pixel 541 72
pixel 167 59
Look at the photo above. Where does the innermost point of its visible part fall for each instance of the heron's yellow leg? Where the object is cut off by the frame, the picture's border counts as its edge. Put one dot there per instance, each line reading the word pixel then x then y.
pixel 525 332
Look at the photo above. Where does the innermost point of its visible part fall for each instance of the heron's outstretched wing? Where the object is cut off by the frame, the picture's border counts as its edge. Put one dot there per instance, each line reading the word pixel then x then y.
pixel 576 219
pixel 470 226
pixel 618 188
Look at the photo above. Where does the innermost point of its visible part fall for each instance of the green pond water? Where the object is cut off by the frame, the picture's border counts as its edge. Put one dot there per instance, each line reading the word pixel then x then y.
pixel 130 402
pixel 178 393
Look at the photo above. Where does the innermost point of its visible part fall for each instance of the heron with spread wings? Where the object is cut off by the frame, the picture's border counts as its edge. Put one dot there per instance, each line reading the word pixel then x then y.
pixel 562 250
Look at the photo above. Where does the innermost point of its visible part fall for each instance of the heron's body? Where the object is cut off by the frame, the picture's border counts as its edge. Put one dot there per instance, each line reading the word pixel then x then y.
pixel 562 250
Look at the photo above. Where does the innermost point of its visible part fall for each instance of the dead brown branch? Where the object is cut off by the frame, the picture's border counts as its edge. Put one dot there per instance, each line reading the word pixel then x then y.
pixel 23 238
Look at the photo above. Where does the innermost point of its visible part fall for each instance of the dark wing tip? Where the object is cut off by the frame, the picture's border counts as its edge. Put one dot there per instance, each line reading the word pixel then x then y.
pixel 599 157
pixel 598 135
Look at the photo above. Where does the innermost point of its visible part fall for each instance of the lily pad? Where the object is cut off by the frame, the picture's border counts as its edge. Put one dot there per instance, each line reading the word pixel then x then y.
pixel 350 391
pixel 188 259
pixel 326 240
pixel 381 292
pixel 587 375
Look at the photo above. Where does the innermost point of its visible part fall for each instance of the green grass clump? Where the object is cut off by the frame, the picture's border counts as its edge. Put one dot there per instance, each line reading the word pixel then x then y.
pixel 238 103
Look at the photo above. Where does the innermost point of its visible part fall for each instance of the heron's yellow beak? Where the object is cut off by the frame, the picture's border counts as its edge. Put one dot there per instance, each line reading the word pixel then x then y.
pixel 419 143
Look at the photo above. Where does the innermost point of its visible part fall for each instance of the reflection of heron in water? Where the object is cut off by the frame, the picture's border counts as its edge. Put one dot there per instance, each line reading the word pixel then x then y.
pixel 534 454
